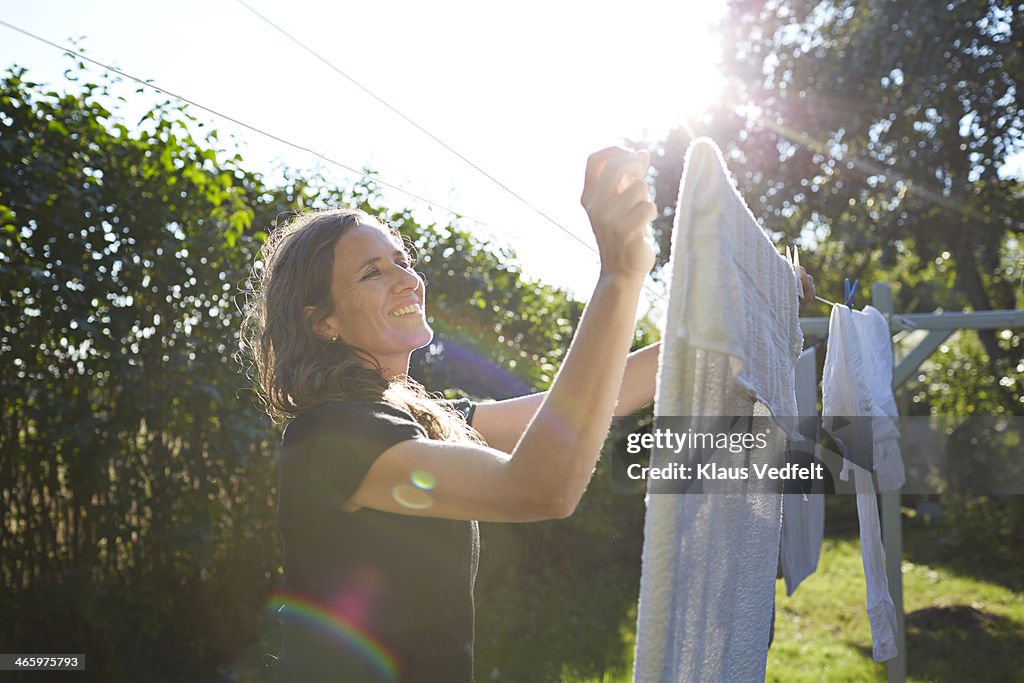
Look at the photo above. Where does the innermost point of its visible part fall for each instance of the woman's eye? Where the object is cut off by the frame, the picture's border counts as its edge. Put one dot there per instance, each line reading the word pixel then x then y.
pixel 373 272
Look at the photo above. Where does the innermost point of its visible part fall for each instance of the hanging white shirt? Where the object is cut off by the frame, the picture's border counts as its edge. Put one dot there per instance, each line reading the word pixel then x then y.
pixel 857 410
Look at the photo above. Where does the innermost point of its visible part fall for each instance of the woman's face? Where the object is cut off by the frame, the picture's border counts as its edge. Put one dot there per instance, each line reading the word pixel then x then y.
pixel 378 298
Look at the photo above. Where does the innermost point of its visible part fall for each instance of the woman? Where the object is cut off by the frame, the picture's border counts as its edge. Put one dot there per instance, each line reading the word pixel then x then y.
pixel 381 486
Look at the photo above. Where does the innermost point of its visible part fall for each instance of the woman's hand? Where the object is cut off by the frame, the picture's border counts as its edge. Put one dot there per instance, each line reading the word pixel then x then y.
pixel 808 283
pixel 616 199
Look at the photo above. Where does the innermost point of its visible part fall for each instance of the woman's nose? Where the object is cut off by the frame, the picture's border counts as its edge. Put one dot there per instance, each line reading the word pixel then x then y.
pixel 406 280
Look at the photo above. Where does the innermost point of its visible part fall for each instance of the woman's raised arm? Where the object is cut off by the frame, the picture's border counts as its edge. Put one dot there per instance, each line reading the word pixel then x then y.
pixel 551 464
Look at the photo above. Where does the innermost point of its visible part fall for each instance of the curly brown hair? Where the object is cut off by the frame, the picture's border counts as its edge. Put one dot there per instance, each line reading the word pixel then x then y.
pixel 293 369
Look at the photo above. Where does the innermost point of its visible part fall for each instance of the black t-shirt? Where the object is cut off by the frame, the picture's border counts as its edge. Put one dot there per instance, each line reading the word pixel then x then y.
pixel 369 595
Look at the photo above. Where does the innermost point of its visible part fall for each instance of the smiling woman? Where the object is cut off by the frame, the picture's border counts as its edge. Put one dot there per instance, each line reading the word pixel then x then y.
pixel 338 311
pixel 381 486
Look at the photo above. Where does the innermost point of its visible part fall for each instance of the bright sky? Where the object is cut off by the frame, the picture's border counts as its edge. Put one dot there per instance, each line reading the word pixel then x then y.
pixel 525 90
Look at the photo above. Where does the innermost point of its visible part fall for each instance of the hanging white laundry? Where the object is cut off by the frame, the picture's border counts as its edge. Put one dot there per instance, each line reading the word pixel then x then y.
pixel 876 352
pixel 867 351
pixel 731 340
pixel 803 514
pixel 851 394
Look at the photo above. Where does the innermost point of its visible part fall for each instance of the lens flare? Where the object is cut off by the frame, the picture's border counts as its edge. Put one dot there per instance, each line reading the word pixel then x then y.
pixel 411 497
pixel 291 608
pixel 423 480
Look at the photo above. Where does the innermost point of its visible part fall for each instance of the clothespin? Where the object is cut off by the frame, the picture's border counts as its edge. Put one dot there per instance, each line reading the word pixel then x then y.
pixel 796 269
pixel 793 259
pixel 849 292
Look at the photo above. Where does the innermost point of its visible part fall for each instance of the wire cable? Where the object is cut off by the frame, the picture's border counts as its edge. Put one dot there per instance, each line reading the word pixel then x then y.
pixel 806 141
pixel 426 132
pixel 418 127
pixel 243 124
pixel 293 145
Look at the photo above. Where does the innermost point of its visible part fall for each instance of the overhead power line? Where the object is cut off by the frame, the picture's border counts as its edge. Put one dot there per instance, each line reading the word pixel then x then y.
pixel 243 124
pixel 417 126
pixel 293 145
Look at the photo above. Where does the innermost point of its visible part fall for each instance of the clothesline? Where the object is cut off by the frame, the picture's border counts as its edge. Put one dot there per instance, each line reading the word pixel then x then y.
pixel 373 178
pixel 895 321
pixel 417 126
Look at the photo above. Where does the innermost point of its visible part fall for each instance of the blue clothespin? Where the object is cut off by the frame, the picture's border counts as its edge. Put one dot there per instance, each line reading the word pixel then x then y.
pixel 849 292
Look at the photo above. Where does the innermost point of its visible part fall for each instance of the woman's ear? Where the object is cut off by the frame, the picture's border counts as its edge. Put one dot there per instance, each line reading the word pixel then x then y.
pixel 319 324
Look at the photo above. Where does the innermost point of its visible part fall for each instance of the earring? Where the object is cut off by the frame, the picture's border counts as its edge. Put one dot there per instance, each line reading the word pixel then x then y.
pixel 335 338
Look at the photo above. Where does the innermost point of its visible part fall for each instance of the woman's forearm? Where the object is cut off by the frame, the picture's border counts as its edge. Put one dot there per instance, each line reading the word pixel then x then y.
pixel 639 380
pixel 560 447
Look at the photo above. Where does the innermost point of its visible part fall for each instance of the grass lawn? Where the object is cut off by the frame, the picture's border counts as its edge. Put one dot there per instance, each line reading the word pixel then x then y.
pixel 965 617
pixel 963 623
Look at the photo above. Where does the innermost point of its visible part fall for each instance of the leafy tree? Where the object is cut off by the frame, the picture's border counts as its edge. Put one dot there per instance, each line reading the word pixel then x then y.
pixel 135 484
pixel 876 133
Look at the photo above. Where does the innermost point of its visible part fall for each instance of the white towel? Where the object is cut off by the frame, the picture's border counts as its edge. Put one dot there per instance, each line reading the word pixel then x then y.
pixel 803 515
pixel 731 291
pixel 731 339
pixel 851 368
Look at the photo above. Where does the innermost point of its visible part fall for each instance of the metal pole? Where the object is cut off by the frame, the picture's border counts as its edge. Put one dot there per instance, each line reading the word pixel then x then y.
pixel 892 526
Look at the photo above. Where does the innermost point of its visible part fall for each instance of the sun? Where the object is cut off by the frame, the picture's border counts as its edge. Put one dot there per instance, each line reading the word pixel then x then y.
pixel 676 78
